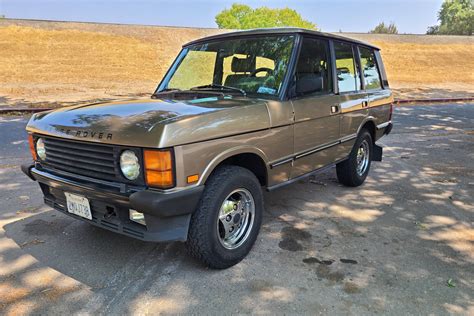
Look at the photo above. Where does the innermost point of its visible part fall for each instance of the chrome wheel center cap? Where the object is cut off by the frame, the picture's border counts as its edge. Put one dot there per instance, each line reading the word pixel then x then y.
pixel 236 218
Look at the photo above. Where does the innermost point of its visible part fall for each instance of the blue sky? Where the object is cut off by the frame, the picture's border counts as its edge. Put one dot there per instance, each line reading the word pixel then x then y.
pixel 410 16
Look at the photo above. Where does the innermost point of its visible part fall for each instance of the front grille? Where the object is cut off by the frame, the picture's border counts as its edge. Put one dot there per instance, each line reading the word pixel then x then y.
pixel 87 159
pixel 93 160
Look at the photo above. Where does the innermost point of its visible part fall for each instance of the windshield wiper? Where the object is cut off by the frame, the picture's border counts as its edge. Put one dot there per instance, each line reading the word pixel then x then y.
pixel 220 87
pixel 168 90
pixel 165 91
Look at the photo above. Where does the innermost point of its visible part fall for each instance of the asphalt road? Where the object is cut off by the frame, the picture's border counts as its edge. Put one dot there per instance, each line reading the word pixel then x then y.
pixel 387 247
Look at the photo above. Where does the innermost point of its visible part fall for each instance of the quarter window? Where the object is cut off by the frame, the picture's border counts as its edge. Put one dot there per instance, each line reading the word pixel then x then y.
pixel 347 75
pixel 369 69
pixel 312 71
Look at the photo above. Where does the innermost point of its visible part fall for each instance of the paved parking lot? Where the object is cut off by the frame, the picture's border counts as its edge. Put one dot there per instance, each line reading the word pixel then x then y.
pixel 403 243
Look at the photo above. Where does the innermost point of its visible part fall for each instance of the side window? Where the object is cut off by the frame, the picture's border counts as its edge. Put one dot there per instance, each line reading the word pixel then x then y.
pixel 347 75
pixel 369 69
pixel 313 73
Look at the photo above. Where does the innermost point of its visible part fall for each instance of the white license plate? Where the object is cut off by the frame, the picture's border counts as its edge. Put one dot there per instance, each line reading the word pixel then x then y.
pixel 78 205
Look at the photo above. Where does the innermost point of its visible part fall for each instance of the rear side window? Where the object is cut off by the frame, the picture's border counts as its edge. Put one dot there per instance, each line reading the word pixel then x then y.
pixel 347 76
pixel 313 75
pixel 370 70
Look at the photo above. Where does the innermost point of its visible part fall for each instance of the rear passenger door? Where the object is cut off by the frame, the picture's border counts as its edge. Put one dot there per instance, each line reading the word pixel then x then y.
pixel 353 100
pixel 316 108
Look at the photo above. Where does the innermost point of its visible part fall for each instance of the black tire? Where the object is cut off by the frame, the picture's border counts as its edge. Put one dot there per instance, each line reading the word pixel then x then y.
pixel 347 170
pixel 203 240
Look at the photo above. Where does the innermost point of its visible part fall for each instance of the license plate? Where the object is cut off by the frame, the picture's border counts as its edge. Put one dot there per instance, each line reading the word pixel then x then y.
pixel 78 205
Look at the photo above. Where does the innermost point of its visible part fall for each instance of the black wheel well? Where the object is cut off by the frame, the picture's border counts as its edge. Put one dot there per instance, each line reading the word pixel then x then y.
pixel 252 162
pixel 370 126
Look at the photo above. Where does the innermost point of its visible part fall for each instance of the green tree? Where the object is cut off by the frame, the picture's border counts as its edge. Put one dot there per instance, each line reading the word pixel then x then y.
pixel 456 17
pixel 381 28
pixel 432 30
pixel 241 16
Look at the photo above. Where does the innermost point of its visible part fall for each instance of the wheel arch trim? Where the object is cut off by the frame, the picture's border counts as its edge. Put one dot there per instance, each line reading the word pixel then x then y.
pixel 368 120
pixel 229 153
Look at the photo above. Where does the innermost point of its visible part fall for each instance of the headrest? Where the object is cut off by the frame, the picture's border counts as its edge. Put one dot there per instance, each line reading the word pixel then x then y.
pixel 310 83
pixel 308 65
pixel 243 64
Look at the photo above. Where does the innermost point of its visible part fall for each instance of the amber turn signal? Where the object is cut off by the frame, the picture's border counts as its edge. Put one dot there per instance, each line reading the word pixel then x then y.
pixel 159 168
pixel 32 146
pixel 193 178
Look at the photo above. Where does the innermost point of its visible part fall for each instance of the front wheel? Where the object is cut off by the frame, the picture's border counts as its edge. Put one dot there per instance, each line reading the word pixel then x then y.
pixel 353 171
pixel 226 223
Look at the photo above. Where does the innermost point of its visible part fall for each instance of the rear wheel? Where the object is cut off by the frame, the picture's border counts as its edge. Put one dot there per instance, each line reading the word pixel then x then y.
pixel 353 171
pixel 226 223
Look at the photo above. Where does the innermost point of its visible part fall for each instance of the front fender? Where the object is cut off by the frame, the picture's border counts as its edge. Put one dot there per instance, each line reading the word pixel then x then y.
pixel 231 152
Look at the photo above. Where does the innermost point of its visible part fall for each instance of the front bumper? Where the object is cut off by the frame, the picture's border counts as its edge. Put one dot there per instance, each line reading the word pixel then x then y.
pixel 167 215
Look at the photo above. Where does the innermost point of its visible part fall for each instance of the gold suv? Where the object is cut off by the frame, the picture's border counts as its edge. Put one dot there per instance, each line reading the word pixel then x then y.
pixel 236 113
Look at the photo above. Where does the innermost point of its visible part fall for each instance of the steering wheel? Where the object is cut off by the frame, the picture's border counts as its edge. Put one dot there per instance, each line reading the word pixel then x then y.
pixel 256 71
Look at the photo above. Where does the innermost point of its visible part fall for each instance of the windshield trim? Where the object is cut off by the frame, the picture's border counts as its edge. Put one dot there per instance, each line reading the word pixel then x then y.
pixel 277 31
pixel 286 79
pixel 177 61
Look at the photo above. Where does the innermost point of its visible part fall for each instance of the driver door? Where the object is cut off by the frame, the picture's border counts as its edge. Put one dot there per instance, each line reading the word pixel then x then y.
pixel 316 128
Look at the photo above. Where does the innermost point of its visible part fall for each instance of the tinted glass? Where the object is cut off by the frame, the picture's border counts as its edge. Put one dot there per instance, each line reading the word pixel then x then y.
pixel 313 74
pixel 260 62
pixel 256 65
pixel 369 68
pixel 196 69
pixel 347 78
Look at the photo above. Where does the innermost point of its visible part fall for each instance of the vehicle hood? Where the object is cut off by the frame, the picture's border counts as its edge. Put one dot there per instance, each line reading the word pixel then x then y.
pixel 153 122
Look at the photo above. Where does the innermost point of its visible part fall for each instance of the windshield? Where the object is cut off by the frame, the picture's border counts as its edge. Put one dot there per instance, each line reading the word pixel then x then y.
pixel 246 65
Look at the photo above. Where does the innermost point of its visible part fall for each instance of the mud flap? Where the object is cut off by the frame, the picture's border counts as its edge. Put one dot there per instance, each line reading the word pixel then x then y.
pixel 377 153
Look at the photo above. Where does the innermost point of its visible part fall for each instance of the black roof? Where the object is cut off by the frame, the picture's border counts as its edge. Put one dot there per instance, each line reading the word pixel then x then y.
pixel 276 31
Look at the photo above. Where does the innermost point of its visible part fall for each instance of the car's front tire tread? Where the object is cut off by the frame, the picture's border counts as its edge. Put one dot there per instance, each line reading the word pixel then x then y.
pixel 201 244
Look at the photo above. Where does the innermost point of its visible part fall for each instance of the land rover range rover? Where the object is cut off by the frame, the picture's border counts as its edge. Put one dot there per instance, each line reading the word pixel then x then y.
pixel 236 113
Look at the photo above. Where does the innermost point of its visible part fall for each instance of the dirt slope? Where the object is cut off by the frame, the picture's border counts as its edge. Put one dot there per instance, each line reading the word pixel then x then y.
pixel 58 62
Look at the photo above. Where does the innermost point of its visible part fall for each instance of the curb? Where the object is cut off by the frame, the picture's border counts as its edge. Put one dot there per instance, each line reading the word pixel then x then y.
pixel 439 100
pixel 396 102
pixel 23 110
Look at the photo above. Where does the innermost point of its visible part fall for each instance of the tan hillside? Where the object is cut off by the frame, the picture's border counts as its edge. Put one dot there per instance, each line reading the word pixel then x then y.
pixel 427 66
pixel 57 62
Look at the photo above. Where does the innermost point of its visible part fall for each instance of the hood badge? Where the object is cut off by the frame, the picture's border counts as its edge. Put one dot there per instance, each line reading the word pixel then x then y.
pixel 87 134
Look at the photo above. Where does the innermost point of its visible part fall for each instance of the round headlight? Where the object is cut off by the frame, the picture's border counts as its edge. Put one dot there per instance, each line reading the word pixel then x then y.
pixel 40 149
pixel 129 165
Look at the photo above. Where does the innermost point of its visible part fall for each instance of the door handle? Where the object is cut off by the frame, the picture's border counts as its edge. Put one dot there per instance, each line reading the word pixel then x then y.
pixel 365 104
pixel 334 109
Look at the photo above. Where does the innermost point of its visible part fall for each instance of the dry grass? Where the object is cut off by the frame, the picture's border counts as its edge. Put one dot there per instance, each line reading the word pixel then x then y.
pixel 426 64
pixel 70 62
pixel 62 65
pixel 423 66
